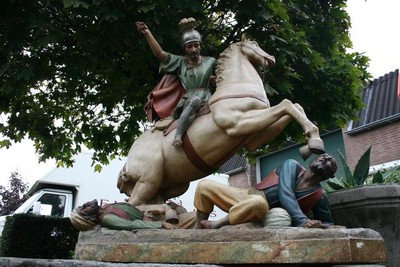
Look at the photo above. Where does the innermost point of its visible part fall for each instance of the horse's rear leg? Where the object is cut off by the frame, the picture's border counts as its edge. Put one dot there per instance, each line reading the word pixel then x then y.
pixel 148 184
pixel 144 192
pixel 174 190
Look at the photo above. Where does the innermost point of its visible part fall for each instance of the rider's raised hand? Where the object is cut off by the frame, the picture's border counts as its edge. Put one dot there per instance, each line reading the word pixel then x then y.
pixel 141 27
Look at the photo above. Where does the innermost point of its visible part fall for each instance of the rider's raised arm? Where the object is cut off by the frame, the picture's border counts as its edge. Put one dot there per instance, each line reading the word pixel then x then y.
pixel 154 45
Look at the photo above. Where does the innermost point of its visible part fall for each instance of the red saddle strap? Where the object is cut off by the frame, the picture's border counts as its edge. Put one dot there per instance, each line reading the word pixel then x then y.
pixel 194 158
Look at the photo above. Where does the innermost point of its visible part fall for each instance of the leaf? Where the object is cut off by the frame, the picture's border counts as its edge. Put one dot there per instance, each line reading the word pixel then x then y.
pixel 377 178
pixel 335 184
pixel 275 38
pixel 270 91
pixel 75 3
pixel 362 168
pixel 147 8
pixel 5 143
pixel 98 168
pixel 347 172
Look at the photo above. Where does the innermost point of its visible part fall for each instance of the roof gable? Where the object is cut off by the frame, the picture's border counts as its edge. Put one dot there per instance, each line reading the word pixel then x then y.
pixel 236 163
pixel 382 102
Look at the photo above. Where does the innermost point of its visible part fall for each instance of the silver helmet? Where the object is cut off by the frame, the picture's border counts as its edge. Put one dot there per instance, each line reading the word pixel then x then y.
pixel 189 34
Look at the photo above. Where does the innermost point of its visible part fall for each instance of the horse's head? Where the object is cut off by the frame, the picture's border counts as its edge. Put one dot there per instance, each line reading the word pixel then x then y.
pixel 255 54
pixel 124 183
pixel 235 63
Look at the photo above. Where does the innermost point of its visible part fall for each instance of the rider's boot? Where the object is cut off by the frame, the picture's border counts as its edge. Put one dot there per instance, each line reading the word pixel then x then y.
pixel 185 120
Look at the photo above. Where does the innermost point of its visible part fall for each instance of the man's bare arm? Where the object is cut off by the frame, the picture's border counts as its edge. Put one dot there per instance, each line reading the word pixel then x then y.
pixel 154 45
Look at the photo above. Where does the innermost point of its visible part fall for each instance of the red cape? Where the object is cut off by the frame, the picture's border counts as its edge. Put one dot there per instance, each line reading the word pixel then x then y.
pixel 163 99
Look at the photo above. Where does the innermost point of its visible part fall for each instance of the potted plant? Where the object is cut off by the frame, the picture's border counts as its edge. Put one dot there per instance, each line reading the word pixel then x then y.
pixel 358 200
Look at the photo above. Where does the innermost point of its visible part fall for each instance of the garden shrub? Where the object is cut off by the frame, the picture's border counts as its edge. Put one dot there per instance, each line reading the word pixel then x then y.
pixel 35 236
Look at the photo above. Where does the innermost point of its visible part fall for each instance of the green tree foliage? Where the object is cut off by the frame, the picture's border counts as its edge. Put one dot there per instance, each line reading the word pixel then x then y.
pixel 14 195
pixel 76 72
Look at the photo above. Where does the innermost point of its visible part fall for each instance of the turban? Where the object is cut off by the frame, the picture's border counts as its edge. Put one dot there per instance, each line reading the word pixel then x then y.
pixel 79 222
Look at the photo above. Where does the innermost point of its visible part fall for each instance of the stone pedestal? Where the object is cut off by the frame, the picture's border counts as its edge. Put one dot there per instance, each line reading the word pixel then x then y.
pixel 234 245
pixel 375 207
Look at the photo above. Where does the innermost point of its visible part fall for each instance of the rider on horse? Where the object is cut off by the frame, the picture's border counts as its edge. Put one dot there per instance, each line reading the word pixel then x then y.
pixel 194 72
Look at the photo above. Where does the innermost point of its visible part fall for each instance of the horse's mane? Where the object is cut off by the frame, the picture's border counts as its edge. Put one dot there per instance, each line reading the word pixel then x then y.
pixel 221 62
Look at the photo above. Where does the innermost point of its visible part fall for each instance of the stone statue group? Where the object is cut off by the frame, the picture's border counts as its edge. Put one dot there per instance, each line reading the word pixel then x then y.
pixel 203 111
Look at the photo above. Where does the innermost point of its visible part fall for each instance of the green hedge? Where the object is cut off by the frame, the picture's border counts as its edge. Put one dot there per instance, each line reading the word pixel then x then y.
pixel 33 236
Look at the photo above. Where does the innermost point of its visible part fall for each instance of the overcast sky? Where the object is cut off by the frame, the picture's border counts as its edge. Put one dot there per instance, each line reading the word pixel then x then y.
pixel 375 27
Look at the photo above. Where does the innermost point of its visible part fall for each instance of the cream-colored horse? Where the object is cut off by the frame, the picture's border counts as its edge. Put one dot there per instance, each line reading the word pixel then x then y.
pixel 240 116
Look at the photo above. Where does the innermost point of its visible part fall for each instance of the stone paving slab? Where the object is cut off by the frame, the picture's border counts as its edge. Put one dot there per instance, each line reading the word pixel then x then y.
pixel 234 245
pixel 22 262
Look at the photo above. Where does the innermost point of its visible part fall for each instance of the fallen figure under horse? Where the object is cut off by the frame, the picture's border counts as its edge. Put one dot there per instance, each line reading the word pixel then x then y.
pixel 240 116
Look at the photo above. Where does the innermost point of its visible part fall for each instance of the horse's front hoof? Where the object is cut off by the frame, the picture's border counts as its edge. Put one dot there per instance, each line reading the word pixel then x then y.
pixel 305 152
pixel 316 145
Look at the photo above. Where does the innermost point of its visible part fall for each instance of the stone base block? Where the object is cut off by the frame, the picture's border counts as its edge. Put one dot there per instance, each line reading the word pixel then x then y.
pixel 234 245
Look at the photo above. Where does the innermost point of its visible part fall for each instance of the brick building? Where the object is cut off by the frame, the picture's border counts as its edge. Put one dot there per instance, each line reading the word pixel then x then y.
pixel 241 172
pixel 379 124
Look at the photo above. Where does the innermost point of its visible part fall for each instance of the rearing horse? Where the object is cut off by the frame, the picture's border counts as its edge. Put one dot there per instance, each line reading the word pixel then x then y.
pixel 240 116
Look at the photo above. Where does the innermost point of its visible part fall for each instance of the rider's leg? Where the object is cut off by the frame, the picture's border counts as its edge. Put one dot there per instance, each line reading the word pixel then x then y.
pixel 186 118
